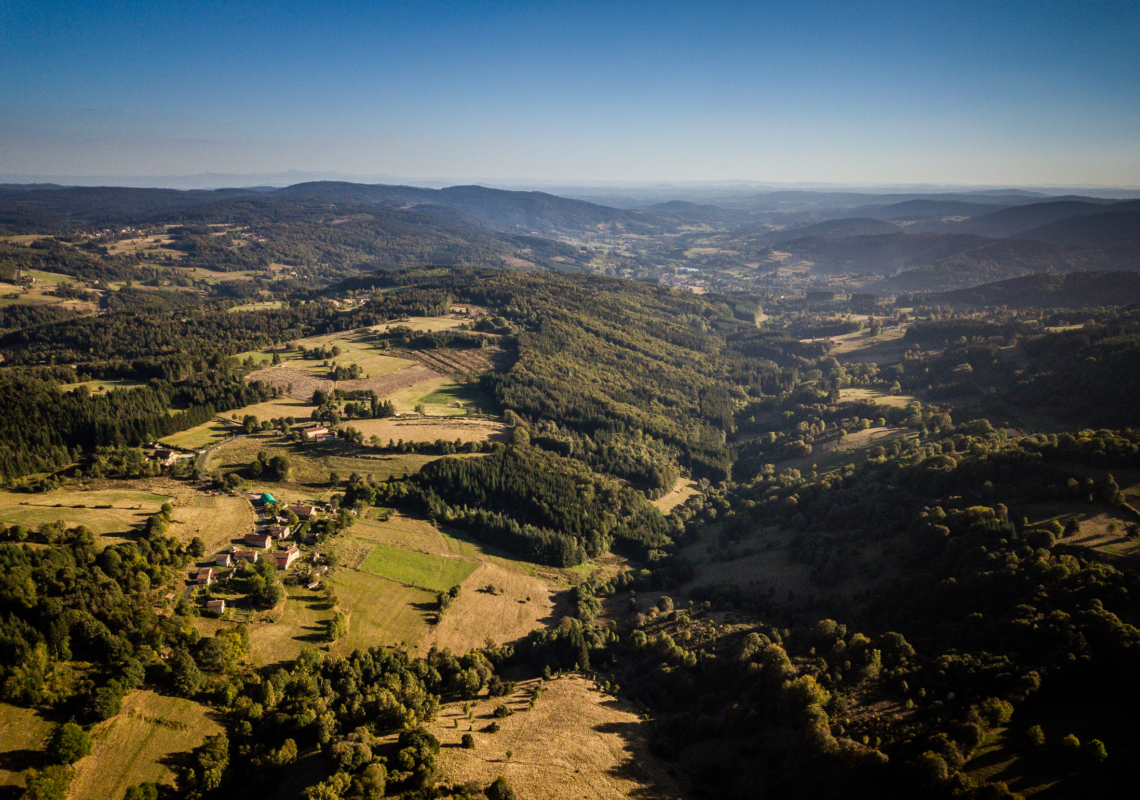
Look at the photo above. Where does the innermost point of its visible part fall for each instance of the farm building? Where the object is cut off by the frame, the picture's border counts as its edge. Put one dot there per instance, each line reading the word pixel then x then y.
pixel 286 557
pixel 279 531
pixel 223 560
pixel 304 512
pixel 205 576
pixel 315 431
pixel 247 555
pixel 263 540
pixel 216 606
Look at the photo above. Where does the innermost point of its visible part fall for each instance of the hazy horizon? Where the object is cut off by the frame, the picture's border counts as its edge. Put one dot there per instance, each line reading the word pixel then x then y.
pixel 1025 94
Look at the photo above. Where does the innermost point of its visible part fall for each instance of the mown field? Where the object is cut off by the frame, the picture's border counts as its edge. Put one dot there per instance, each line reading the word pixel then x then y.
pixel 439 396
pixel 681 491
pixel 300 624
pixel 382 612
pixel 128 509
pixel 575 743
pixel 200 437
pixel 216 520
pixel 875 396
pixel 134 746
pixel 102 387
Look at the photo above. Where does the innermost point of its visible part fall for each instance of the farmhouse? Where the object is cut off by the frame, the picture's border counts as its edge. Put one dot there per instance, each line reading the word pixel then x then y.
pixel 263 540
pixel 216 606
pixel 205 576
pixel 279 531
pixel 286 557
pixel 304 512
pixel 223 560
pixel 247 555
pixel 315 432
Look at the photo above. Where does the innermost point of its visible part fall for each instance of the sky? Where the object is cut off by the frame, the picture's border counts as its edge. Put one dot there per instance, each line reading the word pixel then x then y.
pixel 952 92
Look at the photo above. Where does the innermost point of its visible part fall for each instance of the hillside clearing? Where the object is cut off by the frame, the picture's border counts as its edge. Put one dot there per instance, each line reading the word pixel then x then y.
pixel 575 743
pixel 128 509
pixel 430 429
pixel 875 396
pixel 412 568
pixel 381 612
pixel 681 491
pixel 23 734
pixel 217 524
pixel 135 746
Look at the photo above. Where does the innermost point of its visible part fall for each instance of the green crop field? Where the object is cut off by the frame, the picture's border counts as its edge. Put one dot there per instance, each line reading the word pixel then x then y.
pixel 435 573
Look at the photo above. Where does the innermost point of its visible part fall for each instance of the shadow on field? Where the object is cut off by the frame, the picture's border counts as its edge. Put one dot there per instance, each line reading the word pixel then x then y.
pixel 636 767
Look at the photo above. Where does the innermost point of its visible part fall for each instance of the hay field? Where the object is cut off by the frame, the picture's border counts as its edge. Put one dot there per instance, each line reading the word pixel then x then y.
pixel 23 735
pixel 428 429
pixel 128 509
pixel 131 747
pixel 214 431
pixel 227 519
pixel 422 324
pixel 381 612
pixel 519 604
pixel 680 492
pixel 301 384
pixel 439 396
pixel 576 743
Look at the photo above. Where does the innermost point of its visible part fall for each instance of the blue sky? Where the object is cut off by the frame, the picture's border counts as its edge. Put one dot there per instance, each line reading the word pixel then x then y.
pixel 1042 93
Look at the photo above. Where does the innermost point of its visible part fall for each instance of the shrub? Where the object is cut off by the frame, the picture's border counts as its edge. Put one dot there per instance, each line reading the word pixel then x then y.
pixel 68 744
pixel 468 742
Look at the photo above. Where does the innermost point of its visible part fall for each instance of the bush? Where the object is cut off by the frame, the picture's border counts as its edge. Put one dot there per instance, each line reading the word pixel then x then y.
pixel 500 790
pixel 1036 736
pixel 1094 751
pixel 468 742
pixel 502 711
pixel 68 744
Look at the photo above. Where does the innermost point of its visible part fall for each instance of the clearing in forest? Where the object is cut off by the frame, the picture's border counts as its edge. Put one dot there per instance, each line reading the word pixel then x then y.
pixel 135 746
pixel 311 463
pixel 575 743
pixel 875 396
pixel 682 490
pixel 125 509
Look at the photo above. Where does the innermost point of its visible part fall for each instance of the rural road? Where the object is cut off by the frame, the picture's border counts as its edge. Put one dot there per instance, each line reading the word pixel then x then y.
pixel 200 465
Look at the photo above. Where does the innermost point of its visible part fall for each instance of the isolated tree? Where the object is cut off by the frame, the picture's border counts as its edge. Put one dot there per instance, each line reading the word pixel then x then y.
pixel 68 743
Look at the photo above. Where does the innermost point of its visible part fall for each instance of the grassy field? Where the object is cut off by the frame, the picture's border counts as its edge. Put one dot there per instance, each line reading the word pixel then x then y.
pixel 23 734
pixel 224 519
pixel 200 437
pixel 382 612
pixel 356 347
pixel 264 306
pixel 134 746
pixel 103 387
pixel 435 573
pixel 429 429
pixel 875 396
pixel 128 509
pixel 440 397
pixel 299 625
pixel 575 743
pixel 680 492
pixel 423 324
pixel 312 463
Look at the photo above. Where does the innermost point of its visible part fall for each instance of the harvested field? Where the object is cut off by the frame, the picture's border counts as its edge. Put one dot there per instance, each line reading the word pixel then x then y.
pixel 575 743
pixel 301 385
pixel 200 437
pixel 422 324
pixel 292 382
pixel 227 519
pixel 312 463
pixel 274 409
pixel 134 746
pixel 128 509
pixel 386 385
pixel 680 492
pixel 428 429
pixel 460 363
pixel 519 604
pixel 103 387
pixel 23 734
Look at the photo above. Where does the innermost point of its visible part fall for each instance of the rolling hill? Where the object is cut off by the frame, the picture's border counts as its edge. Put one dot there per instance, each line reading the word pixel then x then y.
pixel 1071 290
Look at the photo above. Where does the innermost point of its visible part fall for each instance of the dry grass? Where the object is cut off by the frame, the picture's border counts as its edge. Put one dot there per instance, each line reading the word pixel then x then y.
pixel 875 396
pixel 575 743
pixel 429 429
pixel 133 747
pixel 23 734
pixel 680 492
pixel 297 625
pixel 227 519
pixel 200 437
pixel 422 324
pixel 130 508
pixel 102 387
pixel 519 604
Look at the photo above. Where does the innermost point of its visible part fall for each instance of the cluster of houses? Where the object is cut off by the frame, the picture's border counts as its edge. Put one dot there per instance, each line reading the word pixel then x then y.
pixel 257 545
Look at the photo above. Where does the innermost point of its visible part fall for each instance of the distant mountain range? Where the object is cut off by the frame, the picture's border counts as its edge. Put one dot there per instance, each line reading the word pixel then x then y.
pixel 1072 290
